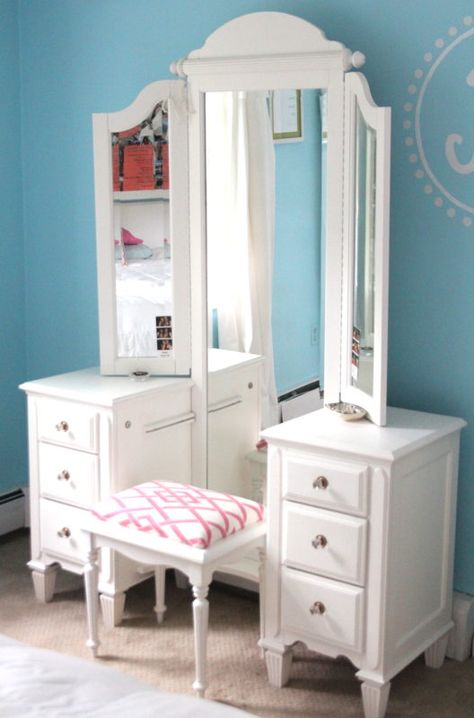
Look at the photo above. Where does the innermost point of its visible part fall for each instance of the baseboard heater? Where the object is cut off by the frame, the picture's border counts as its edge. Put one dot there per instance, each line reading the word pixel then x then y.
pixel 301 401
pixel 12 511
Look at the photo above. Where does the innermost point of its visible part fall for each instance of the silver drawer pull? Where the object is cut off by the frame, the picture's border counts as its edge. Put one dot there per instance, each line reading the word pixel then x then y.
pixel 319 541
pixel 64 475
pixel 317 609
pixel 62 426
pixel 320 483
pixel 64 533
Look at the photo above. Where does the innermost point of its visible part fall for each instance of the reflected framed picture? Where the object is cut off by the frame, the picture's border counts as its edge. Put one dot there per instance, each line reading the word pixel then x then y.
pixel 287 115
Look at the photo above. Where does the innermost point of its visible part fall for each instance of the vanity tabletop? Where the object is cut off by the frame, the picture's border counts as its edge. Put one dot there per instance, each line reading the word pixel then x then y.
pixel 89 386
pixel 404 432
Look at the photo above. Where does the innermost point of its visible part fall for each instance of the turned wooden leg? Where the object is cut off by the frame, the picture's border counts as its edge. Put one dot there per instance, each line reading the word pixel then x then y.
pixel 279 666
pixel 261 596
pixel 160 606
pixel 112 609
pixel 434 655
pixel 44 583
pixel 375 698
pixel 91 580
pixel 201 620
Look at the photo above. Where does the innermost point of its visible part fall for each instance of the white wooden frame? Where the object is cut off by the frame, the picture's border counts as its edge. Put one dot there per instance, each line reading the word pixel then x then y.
pixel 178 361
pixel 264 51
pixel 357 94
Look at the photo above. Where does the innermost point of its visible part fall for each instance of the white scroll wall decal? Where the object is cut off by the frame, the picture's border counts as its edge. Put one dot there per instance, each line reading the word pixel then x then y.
pixel 439 131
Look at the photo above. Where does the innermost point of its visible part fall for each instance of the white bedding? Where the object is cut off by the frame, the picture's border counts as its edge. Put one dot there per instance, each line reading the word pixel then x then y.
pixel 43 684
pixel 144 292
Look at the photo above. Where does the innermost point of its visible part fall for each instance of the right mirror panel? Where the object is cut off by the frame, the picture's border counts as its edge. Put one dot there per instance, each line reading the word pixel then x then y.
pixel 365 256
pixel 363 293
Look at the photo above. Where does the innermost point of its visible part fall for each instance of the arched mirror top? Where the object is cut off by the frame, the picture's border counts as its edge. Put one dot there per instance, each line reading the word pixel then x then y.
pixel 270 38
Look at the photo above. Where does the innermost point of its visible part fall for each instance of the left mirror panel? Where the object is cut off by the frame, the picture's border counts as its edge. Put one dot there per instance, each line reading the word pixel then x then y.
pixel 140 159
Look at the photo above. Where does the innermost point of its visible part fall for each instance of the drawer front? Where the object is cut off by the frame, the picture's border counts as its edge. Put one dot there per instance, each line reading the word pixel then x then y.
pixel 322 609
pixel 68 475
pixel 233 387
pixel 60 530
pixel 334 485
pixel 68 424
pixel 324 542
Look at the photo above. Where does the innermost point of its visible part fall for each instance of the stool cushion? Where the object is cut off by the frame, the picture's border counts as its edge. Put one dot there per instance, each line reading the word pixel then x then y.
pixel 180 512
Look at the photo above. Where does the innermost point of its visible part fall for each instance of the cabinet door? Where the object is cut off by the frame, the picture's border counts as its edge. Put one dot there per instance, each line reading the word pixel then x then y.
pixel 365 254
pixel 140 158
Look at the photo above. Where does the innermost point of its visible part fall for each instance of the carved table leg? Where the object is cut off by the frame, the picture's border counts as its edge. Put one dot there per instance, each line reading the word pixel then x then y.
pixel 201 620
pixel 160 606
pixel 279 666
pixel 375 698
pixel 112 609
pixel 91 579
pixel 434 654
pixel 44 582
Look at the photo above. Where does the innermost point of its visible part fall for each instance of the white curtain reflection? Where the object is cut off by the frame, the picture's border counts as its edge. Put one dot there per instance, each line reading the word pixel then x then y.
pixel 240 185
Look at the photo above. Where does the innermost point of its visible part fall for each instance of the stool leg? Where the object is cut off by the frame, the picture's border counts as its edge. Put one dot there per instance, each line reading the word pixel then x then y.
pixel 160 606
pixel 91 580
pixel 201 620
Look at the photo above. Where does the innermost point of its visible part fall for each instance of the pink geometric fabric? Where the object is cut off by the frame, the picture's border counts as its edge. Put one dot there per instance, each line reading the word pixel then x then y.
pixel 180 512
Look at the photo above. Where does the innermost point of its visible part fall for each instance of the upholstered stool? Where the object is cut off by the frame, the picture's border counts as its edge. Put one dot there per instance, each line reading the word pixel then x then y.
pixel 165 524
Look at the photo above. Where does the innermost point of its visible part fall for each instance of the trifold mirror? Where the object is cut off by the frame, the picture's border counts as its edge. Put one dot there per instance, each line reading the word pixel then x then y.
pixel 185 191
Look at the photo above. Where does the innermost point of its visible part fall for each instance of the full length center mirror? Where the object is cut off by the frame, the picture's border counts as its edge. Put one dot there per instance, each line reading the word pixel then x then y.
pixel 265 226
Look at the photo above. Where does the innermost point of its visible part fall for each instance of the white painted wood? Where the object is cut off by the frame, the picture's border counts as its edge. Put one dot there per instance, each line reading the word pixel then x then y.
pixel 198 564
pixel 121 433
pixel 322 482
pixel 357 95
pixel 106 448
pixel 91 576
pixel 461 636
pixel 68 475
pixel 434 654
pixel 375 699
pixel 160 585
pixel 402 607
pixel 201 621
pixel 179 361
pixel 323 542
pixel 278 667
pixel 112 608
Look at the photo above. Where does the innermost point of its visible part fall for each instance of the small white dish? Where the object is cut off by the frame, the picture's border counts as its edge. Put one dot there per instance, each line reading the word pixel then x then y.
pixel 347 412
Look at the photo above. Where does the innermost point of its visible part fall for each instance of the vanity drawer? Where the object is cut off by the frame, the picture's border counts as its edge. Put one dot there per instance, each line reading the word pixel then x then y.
pixel 68 424
pixel 325 610
pixel 60 530
pixel 232 387
pixel 324 542
pixel 68 475
pixel 341 486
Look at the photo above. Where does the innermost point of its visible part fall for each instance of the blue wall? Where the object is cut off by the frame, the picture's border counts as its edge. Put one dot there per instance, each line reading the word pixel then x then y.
pixel 79 57
pixel 12 304
pixel 296 286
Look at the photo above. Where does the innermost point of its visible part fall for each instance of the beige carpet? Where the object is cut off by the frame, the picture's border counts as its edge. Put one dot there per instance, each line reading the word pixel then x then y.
pixel 163 655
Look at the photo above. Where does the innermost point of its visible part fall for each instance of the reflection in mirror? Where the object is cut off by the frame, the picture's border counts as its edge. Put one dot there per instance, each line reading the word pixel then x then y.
pixel 264 227
pixel 364 258
pixel 143 276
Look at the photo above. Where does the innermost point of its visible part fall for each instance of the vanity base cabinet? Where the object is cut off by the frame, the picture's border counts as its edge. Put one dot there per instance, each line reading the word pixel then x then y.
pixel 91 436
pixel 360 543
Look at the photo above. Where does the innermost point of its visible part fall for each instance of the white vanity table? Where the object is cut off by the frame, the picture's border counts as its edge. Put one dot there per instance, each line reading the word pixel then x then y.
pixel 360 513
pixel 360 543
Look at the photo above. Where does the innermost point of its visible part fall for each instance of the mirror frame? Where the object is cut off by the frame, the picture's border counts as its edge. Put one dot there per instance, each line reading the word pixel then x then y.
pixel 262 51
pixel 358 95
pixel 104 124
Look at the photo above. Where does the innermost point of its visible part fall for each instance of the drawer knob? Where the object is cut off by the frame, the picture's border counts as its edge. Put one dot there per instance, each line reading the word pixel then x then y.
pixel 320 482
pixel 317 609
pixel 64 475
pixel 64 533
pixel 319 541
pixel 62 426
